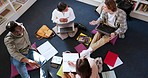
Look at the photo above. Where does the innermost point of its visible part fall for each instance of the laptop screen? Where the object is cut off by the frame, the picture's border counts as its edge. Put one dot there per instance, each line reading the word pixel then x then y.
pixel 105 29
pixel 66 29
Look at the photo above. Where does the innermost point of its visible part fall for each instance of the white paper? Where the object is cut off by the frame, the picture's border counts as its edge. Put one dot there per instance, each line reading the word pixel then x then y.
pixel 47 50
pixel 117 63
pixel 56 60
pixel 72 57
pixel 109 74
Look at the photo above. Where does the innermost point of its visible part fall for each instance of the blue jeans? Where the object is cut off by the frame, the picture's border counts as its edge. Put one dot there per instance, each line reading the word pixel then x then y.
pixel 33 55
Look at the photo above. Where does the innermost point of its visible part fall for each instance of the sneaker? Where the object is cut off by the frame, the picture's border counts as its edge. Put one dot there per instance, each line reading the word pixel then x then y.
pixel 80 26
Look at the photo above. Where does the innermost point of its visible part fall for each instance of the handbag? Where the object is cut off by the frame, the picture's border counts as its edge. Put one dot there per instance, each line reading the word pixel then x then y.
pixel 125 4
pixel 44 32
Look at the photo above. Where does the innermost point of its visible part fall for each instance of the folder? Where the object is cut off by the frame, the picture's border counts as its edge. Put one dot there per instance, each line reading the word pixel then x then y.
pixel 110 58
pixel 79 48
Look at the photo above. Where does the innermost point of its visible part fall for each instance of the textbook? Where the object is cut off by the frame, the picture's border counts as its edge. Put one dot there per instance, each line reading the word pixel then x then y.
pixel 72 57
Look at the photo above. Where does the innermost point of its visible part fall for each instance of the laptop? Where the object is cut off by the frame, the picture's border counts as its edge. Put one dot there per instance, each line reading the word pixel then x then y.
pixel 65 28
pixel 105 29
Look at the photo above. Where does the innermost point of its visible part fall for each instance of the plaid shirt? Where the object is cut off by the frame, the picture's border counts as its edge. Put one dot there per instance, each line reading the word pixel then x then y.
pixel 120 21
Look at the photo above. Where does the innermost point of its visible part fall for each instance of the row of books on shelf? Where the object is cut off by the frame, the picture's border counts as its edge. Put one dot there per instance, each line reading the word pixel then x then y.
pixel 142 7
pixel 2 19
pixel 22 1
pixel 2 2
pixel 18 3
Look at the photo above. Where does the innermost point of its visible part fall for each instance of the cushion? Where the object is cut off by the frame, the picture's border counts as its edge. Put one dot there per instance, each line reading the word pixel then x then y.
pixel 14 71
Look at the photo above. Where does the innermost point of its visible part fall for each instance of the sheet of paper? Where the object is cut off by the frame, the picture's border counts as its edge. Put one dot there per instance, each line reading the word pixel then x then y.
pixel 72 57
pixel 47 50
pixel 109 74
pixel 56 59
pixel 117 63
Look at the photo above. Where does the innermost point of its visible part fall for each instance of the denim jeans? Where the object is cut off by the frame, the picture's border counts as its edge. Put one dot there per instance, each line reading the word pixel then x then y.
pixel 33 55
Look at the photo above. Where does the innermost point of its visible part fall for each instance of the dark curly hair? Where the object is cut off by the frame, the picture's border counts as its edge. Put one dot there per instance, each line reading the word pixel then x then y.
pixel 83 68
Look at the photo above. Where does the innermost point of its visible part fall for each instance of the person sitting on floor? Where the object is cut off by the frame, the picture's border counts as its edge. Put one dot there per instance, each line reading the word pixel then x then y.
pixel 86 67
pixel 19 47
pixel 64 14
pixel 115 18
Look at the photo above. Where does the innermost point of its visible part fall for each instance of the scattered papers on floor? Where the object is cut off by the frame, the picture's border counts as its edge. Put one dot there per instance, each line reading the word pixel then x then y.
pixel 47 50
pixel 112 60
pixel 56 59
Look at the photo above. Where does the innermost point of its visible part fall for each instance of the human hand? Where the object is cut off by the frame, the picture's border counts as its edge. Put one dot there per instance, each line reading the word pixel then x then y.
pixel 112 35
pixel 71 75
pixel 93 22
pixel 71 64
pixel 33 64
pixel 63 19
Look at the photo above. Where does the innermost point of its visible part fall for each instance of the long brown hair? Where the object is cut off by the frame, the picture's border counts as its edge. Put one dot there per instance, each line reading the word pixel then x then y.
pixel 111 4
pixel 83 68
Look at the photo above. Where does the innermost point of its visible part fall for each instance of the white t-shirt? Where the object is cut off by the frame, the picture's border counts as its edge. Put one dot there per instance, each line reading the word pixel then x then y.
pixel 56 15
pixel 111 19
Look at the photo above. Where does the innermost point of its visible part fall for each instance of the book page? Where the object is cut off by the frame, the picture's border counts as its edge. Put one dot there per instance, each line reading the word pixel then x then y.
pixel 72 57
pixel 47 50
pixel 109 74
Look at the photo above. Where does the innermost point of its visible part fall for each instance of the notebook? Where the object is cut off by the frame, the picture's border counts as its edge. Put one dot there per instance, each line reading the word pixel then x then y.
pixel 105 29
pixel 72 57
pixel 110 58
pixel 65 28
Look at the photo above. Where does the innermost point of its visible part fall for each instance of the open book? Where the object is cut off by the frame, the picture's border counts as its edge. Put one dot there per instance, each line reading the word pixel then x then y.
pixel 47 50
pixel 72 57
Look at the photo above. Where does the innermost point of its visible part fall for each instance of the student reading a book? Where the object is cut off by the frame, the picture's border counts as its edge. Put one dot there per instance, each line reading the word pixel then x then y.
pixel 18 45
pixel 115 18
pixel 86 67
pixel 64 14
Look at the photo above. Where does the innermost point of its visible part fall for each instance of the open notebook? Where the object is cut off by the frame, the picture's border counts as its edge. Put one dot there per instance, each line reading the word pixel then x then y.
pixel 72 57
pixel 65 28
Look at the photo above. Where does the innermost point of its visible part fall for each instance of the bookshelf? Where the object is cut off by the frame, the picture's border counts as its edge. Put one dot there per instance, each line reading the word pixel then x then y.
pixel 12 10
pixel 140 10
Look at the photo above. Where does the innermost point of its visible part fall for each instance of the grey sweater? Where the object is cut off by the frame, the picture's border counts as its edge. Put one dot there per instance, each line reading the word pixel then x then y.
pixel 17 46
